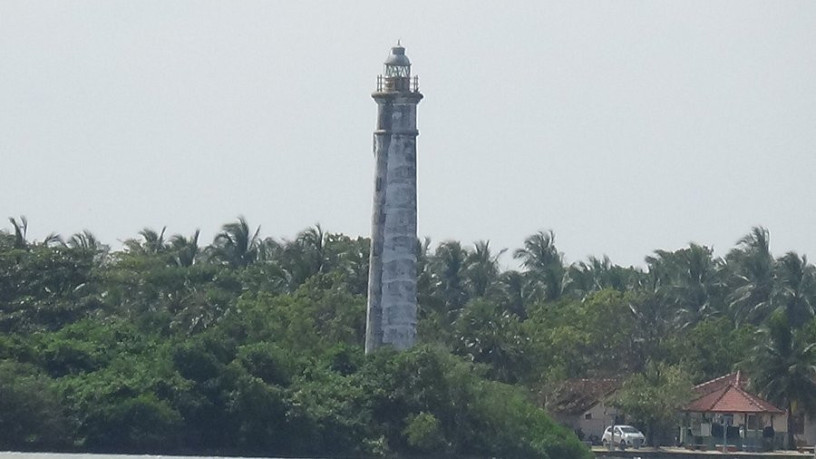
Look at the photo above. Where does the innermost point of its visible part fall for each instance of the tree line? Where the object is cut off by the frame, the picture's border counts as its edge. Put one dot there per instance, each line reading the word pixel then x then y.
pixel 252 345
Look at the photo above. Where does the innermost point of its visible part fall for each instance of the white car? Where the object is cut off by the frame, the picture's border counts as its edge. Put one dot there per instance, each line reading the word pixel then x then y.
pixel 623 436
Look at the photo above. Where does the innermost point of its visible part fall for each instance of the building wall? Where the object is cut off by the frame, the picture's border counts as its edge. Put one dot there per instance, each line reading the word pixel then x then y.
pixel 780 423
pixel 593 421
pixel 391 314
pixel 809 436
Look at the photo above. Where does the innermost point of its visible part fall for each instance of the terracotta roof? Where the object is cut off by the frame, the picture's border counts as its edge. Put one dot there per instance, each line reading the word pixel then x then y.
pixel 576 396
pixel 727 394
pixel 716 384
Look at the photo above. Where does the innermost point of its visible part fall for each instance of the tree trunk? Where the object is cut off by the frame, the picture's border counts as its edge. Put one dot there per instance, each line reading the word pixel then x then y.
pixel 791 442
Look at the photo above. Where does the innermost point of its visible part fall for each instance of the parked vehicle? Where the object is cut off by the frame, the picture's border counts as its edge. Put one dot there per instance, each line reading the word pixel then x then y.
pixel 622 436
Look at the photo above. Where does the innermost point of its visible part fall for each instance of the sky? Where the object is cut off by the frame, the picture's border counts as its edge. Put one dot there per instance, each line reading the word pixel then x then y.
pixel 624 127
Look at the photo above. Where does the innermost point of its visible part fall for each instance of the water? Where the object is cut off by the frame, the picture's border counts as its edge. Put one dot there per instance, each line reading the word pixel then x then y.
pixel 10 455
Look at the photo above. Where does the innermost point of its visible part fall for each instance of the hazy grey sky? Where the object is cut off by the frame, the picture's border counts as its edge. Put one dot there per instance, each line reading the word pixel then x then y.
pixel 623 126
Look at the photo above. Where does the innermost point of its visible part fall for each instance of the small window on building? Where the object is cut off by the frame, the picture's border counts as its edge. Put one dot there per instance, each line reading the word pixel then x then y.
pixel 588 416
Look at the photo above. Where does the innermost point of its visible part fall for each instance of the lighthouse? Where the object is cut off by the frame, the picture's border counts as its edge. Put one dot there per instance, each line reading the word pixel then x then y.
pixel 391 313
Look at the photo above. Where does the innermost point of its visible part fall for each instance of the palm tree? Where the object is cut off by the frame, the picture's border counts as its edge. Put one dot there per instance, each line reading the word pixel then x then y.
pixel 427 302
pixel 482 271
pixel 783 367
pixel 448 266
pixel 185 250
pixel 423 250
pixel 351 257
pixel 53 240
pixel 153 243
pixel 794 289
pixel 689 281
pixel 236 245
pixel 86 240
pixel 312 244
pixel 303 257
pixel 584 278
pixel 514 288
pixel 655 321
pixel 544 264
pixel 751 268
pixel 20 230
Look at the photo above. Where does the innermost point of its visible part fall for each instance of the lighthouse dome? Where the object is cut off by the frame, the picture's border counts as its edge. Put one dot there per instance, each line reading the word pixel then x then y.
pixel 398 57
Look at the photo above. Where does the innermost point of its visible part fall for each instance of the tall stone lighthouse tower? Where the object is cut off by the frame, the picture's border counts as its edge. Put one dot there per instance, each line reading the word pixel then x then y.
pixel 392 295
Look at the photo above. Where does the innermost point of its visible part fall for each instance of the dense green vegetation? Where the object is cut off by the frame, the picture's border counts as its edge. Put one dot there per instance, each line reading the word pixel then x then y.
pixel 253 346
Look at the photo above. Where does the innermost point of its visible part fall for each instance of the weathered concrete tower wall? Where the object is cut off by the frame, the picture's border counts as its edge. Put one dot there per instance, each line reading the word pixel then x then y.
pixel 391 313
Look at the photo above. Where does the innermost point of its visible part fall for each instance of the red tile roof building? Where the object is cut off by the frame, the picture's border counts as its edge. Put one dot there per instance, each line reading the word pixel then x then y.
pixel 727 394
